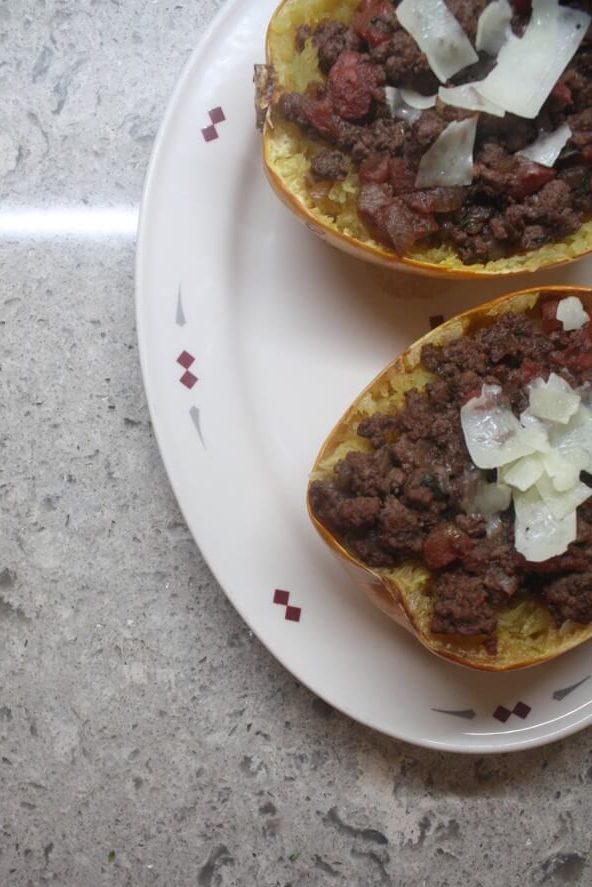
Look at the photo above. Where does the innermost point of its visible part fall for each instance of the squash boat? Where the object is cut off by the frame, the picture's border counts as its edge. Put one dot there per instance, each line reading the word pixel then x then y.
pixel 456 487
pixel 438 162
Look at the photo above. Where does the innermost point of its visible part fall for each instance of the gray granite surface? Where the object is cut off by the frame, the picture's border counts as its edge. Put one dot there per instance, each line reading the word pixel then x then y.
pixel 146 738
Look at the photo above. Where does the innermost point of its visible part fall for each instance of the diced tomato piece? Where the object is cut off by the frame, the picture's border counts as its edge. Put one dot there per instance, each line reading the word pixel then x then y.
pixel 402 176
pixel 319 113
pixel 548 309
pixel 372 21
pixel 444 545
pixel 376 168
pixel 529 178
pixel 351 84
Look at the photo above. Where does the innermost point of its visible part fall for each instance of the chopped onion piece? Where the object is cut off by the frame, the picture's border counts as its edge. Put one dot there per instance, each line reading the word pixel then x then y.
pixel 467 97
pixel 417 100
pixel 529 67
pixel 449 161
pixel 523 473
pixel 493 27
pixel 539 535
pixel 571 314
pixel 438 34
pixel 398 107
pixel 492 433
pixel 547 149
pixel 554 400
pixel 562 504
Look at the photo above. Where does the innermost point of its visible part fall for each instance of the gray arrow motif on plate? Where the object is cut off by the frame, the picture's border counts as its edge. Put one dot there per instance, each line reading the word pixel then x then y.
pixel 561 694
pixel 180 318
pixel 466 713
pixel 195 417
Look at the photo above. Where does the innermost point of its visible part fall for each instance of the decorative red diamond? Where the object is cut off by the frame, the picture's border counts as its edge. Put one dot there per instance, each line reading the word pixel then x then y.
pixel 217 115
pixel 188 380
pixel 522 710
pixel 502 714
pixel 293 614
pixel 436 320
pixel 185 359
pixel 209 133
pixel 281 597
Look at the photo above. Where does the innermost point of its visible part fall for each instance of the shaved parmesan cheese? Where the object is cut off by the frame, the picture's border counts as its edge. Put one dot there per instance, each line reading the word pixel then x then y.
pixel 417 100
pixel 563 474
pixel 529 67
pixel 554 400
pixel 537 432
pixel 493 27
pixel 570 312
pixel 466 96
pixel 574 440
pixel 523 473
pixel 489 499
pixel 449 161
pixel 438 34
pixel 398 107
pixel 493 434
pixel 560 504
pixel 539 534
pixel 547 149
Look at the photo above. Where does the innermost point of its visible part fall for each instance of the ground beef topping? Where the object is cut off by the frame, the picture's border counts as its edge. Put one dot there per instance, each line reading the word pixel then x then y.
pixel 405 496
pixel 513 204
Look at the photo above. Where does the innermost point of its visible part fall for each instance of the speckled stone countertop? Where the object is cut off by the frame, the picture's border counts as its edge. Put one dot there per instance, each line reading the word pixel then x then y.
pixel 146 738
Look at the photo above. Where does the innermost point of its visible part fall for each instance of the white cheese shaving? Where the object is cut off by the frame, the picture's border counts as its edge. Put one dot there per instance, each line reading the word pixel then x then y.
pixel 523 473
pixel 554 400
pixel 449 161
pixel 571 314
pixel 574 440
pixel 562 473
pixel 417 100
pixel 493 434
pixel 489 499
pixel 538 433
pixel 539 535
pixel 398 107
pixel 493 27
pixel 529 67
pixel 467 97
pixel 438 34
pixel 547 148
pixel 560 504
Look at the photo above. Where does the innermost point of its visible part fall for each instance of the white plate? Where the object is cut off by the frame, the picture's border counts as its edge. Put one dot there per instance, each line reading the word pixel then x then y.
pixel 281 332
